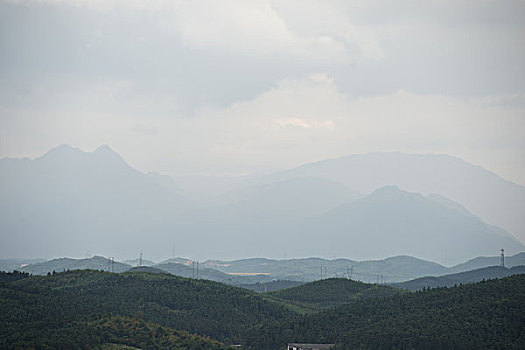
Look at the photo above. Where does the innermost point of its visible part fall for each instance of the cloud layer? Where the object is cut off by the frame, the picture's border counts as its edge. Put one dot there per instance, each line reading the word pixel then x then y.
pixel 235 86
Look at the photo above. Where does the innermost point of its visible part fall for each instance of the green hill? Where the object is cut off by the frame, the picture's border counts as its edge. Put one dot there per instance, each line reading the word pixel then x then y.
pixel 459 278
pixel 53 307
pixel 485 315
pixel 332 292
pixel 64 264
pixel 272 286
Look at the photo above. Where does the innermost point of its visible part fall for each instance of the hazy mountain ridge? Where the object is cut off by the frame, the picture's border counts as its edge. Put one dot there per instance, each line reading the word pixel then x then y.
pixel 65 264
pixel 96 196
pixel 451 280
pixel 69 202
pixel 484 193
pixel 485 261
pixel 392 220
pixel 268 271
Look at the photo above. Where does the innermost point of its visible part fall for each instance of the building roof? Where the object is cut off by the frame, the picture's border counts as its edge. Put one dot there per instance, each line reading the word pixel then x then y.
pixel 311 346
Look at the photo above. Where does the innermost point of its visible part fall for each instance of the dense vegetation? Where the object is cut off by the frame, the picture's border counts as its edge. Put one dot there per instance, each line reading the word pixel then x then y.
pixel 48 309
pixel 487 315
pixel 6 277
pixel 93 309
pixel 272 286
pixel 472 276
pixel 332 292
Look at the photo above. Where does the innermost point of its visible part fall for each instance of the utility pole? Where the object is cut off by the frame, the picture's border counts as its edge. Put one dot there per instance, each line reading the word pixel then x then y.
pixel 321 272
pixel 197 269
pixel 140 260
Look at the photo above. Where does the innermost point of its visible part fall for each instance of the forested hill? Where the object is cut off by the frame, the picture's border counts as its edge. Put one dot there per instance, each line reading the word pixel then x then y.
pixel 333 291
pixel 459 278
pixel 485 315
pixel 49 310
pixel 94 310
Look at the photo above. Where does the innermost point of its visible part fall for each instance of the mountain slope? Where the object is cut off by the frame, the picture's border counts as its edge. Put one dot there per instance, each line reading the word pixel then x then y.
pixel 496 200
pixel 460 278
pixel 391 221
pixel 486 315
pixel 397 268
pixel 332 292
pixel 486 261
pixel 69 202
pixel 50 303
pixel 64 264
pixel 286 200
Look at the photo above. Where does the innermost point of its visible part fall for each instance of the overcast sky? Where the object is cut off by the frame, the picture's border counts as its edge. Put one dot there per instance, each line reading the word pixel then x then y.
pixel 231 87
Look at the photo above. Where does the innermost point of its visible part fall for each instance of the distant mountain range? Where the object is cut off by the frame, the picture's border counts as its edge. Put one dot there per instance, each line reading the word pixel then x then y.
pixel 473 276
pixel 498 201
pixel 391 220
pixel 69 202
pixel 65 264
pixel 267 271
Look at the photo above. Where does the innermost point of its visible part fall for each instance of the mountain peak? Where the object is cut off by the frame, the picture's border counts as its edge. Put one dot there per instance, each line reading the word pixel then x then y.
pixel 392 192
pixel 389 190
pixel 104 149
pixel 60 151
pixel 107 152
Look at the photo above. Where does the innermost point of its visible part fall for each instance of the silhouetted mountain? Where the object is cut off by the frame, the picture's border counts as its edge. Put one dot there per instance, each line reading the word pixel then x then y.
pixel 390 221
pixel 473 276
pixel 69 202
pixel 496 200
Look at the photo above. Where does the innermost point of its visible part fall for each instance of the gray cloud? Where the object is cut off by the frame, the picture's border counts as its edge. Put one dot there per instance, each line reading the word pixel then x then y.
pixel 235 86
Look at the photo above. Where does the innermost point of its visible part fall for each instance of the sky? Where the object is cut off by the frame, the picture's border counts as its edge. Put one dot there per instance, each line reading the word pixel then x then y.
pixel 234 87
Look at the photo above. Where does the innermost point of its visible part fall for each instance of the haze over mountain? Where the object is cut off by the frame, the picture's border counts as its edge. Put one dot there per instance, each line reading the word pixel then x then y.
pixel 496 200
pixel 69 202
pixel 391 219
pixel 262 271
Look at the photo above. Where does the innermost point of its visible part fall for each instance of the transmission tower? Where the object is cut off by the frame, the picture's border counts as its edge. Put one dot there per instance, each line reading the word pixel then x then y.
pixel 502 262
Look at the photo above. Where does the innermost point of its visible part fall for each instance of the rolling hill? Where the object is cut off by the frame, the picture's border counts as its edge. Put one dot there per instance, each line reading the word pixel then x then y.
pixel 484 315
pixel 333 292
pixel 44 309
pixel 64 264
pixel 451 280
